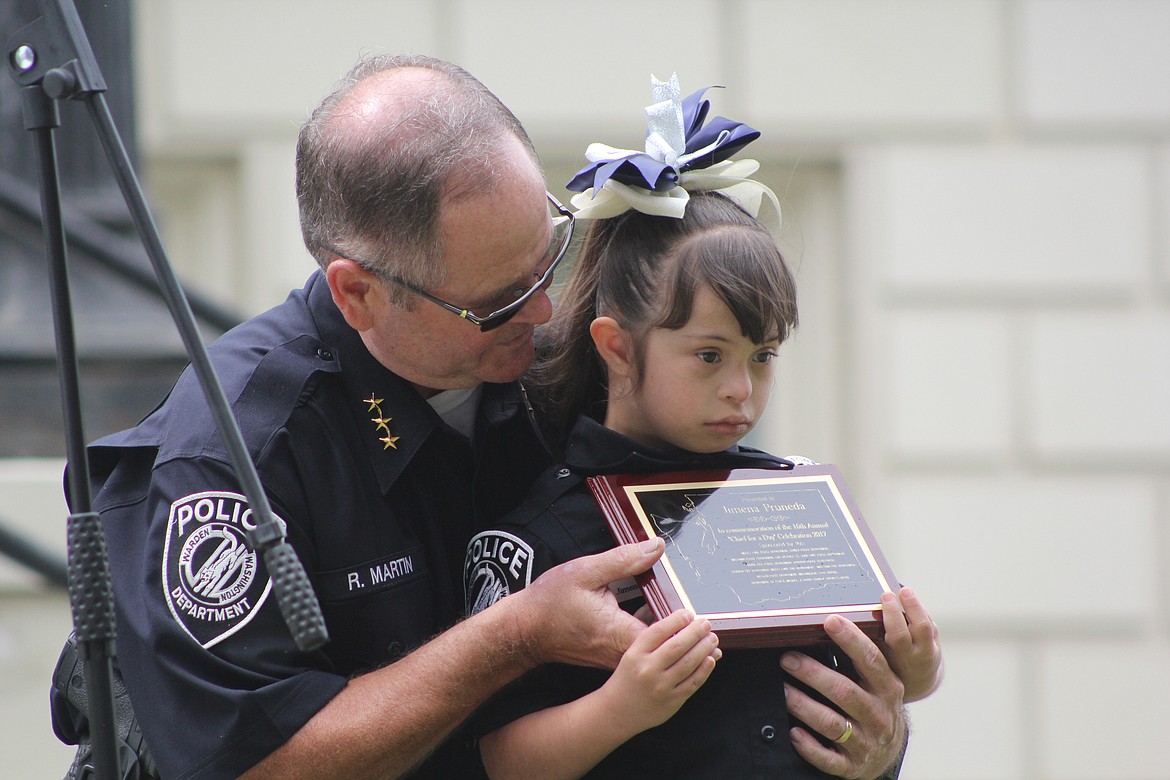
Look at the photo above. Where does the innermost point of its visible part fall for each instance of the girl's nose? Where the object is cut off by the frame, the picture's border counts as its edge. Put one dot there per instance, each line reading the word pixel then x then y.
pixel 737 386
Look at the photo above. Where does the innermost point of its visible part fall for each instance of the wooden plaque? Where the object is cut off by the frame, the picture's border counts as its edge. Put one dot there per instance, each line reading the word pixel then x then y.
pixel 765 555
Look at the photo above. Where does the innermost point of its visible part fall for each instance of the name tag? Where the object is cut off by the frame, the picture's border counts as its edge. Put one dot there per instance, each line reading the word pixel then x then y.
pixel 372 577
pixel 625 590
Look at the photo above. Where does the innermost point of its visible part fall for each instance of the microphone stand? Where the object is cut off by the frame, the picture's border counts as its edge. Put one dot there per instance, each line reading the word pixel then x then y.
pixel 51 59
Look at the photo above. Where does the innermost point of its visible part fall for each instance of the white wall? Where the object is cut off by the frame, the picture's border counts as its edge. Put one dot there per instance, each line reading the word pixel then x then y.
pixel 977 193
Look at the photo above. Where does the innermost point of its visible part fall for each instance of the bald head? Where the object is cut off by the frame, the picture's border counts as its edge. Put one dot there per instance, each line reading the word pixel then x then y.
pixel 379 156
pixel 390 96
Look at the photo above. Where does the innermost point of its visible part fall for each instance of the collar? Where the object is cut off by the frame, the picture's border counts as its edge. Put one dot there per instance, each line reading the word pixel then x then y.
pixel 594 449
pixel 391 417
pixel 394 420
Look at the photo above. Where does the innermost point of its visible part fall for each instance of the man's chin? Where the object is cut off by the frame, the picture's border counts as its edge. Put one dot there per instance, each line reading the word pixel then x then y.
pixel 508 364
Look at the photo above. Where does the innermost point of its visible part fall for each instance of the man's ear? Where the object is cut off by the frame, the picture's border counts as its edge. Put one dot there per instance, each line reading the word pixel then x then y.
pixel 613 344
pixel 356 292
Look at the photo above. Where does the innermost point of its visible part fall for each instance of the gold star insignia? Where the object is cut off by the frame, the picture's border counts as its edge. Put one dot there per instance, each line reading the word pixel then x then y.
pixel 381 422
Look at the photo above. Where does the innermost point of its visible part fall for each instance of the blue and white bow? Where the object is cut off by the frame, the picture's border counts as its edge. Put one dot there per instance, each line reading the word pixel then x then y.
pixel 682 156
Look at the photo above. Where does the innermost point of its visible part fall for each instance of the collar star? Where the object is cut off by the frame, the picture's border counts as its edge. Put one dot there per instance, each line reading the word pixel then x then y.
pixel 381 422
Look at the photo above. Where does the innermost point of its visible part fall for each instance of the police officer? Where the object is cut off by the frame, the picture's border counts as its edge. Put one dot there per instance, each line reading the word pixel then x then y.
pixel 380 406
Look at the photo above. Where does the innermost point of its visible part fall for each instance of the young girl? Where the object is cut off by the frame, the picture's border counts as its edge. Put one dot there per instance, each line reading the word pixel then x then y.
pixel 661 357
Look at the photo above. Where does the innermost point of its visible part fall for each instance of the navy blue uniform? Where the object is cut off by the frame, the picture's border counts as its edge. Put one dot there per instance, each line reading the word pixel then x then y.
pixel 378 496
pixel 736 725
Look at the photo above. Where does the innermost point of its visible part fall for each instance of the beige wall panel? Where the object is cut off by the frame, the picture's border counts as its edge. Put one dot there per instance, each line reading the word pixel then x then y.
pixel 1097 388
pixel 1101 711
pixel 582 70
pixel 836 67
pixel 976 727
pixel 1095 62
pixel 1009 223
pixel 994 552
pixel 951 386
pixel 215 70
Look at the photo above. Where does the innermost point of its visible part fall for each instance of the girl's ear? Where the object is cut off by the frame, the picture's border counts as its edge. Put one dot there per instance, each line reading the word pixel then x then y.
pixel 613 344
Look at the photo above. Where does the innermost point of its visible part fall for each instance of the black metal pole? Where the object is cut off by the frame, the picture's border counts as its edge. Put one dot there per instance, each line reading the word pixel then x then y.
pixel 51 58
pixel 54 53
pixel 91 599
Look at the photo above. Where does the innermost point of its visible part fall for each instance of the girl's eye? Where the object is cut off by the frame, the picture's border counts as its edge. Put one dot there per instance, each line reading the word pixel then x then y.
pixel 767 356
pixel 708 356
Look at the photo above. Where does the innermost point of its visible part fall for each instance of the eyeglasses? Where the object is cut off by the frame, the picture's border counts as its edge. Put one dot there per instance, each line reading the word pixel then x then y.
pixel 563 224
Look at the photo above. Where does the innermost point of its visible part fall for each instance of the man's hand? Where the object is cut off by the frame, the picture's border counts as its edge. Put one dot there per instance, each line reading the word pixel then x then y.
pixel 911 644
pixel 872 732
pixel 569 615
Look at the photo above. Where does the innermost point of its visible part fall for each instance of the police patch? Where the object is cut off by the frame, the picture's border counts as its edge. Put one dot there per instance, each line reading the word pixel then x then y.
pixel 497 564
pixel 213 580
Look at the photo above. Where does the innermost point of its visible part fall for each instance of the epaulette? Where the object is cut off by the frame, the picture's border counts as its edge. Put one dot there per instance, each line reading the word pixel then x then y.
pixel 276 387
pixel 553 483
pixel 183 426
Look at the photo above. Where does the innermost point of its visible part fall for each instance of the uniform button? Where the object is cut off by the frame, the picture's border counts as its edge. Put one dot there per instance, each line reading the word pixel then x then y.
pixel 325 354
pixel 768 732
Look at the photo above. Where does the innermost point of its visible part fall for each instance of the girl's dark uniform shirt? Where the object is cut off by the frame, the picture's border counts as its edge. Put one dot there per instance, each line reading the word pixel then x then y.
pixel 379 498
pixel 736 725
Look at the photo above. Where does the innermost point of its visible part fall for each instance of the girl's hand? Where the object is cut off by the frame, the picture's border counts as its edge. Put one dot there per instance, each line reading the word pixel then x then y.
pixel 911 644
pixel 664 666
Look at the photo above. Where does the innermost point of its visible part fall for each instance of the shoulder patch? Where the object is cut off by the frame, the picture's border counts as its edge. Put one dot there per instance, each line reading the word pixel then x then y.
pixel 497 563
pixel 213 581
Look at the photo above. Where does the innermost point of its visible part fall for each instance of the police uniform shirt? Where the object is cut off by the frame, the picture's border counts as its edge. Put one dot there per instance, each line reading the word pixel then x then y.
pixel 736 725
pixel 378 498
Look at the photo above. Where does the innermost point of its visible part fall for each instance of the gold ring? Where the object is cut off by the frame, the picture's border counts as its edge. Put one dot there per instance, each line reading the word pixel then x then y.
pixel 848 733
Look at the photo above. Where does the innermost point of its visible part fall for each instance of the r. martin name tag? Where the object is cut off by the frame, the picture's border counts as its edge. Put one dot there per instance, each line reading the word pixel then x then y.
pixel 765 555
